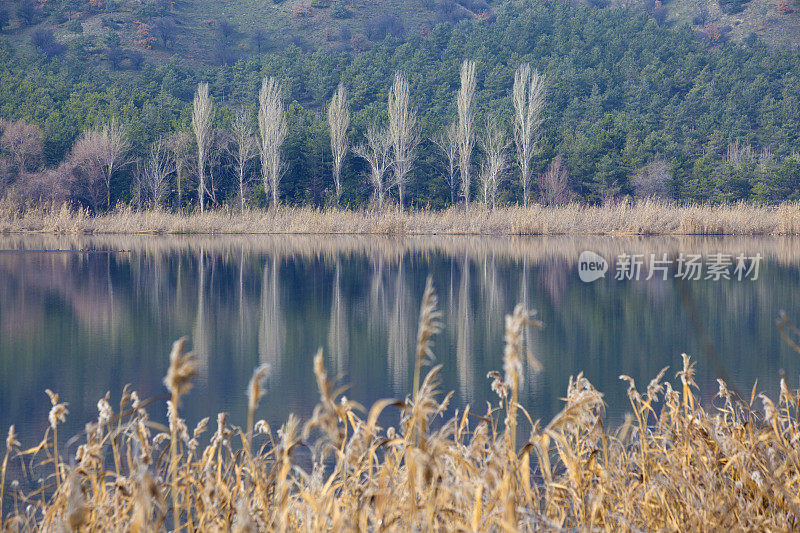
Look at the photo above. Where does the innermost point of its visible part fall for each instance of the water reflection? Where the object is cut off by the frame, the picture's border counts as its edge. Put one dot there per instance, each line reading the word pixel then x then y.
pixel 270 326
pixel 83 323
pixel 338 334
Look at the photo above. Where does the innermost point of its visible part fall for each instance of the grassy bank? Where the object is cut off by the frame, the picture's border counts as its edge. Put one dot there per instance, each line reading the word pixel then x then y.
pixel 642 218
pixel 674 464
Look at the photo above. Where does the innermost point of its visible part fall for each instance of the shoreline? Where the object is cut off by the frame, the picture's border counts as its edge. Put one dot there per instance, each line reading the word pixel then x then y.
pixel 623 219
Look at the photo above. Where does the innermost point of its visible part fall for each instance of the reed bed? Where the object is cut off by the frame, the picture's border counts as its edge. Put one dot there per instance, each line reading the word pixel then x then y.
pixel 625 218
pixel 534 249
pixel 674 464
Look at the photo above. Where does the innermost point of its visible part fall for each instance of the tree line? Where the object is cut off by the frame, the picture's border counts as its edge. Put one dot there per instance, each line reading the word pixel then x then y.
pixel 389 151
pixel 631 109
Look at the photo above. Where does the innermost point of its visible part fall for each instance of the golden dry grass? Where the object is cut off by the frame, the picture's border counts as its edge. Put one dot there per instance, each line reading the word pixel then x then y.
pixel 642 218
pixel 673 465
pixel 537 249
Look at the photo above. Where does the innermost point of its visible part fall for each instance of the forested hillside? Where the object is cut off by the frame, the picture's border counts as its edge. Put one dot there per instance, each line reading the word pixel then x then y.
pixel 632 107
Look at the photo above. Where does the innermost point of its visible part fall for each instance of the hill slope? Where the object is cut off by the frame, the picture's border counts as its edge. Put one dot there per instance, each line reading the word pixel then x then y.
pixel 123 33
pixel 627 100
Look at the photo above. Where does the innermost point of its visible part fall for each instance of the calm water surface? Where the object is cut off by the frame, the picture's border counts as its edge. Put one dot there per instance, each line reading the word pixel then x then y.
pixel 86 315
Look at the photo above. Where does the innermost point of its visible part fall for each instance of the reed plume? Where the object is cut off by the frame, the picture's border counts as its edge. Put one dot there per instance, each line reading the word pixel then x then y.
pixel 680 461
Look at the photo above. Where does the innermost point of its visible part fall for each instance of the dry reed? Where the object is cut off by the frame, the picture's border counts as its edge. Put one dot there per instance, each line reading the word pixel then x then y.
pixel 673 465
pixel 642 218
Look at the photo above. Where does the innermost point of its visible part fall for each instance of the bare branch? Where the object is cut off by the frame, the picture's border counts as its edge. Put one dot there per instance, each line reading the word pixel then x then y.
pixel 181 146
pixel 447 141
pixel 272 131
pixel 402 131
pixel 528 97
pixel 159 167
pixel 554 183
pixel 23 142
pixel 244 146
pixel 652 180
pixel 202 118
pixel 466 115
pixel 96 155
pixel 377 152
pixel 494 144
pixel 338 122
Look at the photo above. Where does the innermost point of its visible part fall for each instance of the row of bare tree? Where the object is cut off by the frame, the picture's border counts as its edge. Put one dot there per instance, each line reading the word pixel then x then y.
pixel 389 150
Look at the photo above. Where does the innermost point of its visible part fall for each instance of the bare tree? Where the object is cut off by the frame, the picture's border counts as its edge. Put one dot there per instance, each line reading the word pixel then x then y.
pixel 447 141
pixel 272 131
pixel 53 184
pixel 494 144
pixel 377 152
pixel 139 186
pixel 84 173
pixel 98 153
pixel 338 122
pixel 244 145
pixel 554 183
pixel 739 155
pixel 652 180
pixel 23 142
pixel 528 97
pixel 466 115
pixel 181 145
pixel 158 168
pixel 402 131
pixel 766 161
pixel 219 145
pixel 202 118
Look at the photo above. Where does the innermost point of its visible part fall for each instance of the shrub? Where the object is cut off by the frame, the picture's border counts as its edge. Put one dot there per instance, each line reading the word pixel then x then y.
pixel 260 39
pixel 44 39
pixel 115 56
pixel 733 6
pixel 83 46
pixel 701 17
pixel 75 26
pixel 359 42
pixel 449 11
pixel 386 26
pixel 476 6
pixel 341 12
pixel 302 11
pixel 136 59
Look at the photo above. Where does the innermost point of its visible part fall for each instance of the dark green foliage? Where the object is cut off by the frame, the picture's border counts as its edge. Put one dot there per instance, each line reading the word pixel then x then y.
pixel 5 18
pixel 27 13
pixel 733 6
pixel 44 39
pixel 164 29
pixel 152 9
pixel 386 26
pixel 735 183
pixel 341 12
pixel 75 26
pixel 260 39
pixel 621 92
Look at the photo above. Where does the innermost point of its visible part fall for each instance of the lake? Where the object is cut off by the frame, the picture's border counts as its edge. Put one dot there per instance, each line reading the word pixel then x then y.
pixel 83 315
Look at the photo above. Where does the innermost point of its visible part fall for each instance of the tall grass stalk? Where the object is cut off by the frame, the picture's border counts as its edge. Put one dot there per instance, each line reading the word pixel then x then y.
pixel 182 368
pixel 645 217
